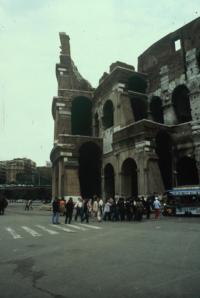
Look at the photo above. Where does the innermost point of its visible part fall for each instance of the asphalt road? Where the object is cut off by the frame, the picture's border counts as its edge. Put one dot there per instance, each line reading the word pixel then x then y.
pixel 148 259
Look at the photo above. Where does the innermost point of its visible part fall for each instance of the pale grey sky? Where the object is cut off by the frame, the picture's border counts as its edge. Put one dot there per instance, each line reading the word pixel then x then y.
pixel 101 32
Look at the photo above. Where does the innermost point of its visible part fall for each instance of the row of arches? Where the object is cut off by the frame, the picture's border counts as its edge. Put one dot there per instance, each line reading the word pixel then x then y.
pixel 81 112
pixel 180 102
pixel 90 163
pixel 129 179
pixel 81 116
pixel 90 170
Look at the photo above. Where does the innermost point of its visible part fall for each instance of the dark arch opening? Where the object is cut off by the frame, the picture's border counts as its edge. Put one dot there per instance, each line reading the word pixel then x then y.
pixel 137 84
pixel 90 169
pixel 96 125
pixel 187 173
pixel 129 178
pixel 139 108
pixel 164 152
pixel 81 117
pixel 156 109
pixel 108 114
pixel 109 178
pixel 181 103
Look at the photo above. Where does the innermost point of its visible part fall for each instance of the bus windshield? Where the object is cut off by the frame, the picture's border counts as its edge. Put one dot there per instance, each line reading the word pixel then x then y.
pixel 183 201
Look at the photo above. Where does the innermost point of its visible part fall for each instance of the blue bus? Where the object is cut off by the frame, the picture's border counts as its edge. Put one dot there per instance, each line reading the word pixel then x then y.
pixel 182 201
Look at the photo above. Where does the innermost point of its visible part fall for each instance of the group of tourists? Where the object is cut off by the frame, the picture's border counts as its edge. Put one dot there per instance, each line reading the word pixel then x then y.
pixel 82 209
pixel 120 209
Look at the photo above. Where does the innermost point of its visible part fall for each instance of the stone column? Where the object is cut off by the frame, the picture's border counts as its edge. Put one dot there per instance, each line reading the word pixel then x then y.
pixel 53 181
pixel 103 186
pixel 72 185
pixel 117 176
pixel 60 177
pixel 196 139
pixel 146 190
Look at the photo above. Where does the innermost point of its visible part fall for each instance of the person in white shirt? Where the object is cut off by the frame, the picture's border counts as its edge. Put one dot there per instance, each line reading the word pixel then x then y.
pixel 79 208
pixel 157 206
pixel 107 211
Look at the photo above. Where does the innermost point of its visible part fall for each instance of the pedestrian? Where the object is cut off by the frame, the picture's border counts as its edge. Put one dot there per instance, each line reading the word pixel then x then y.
pixel 69 206
pixel 138 210
pixel 79 209
pixel 121 208
pixel 147 205
pixel 26 205
pixel 99 209
pixel 85 213
pixel 157 206
pixel 95 207
pixel 30 204
pixel 107 210
pixel 3 204
pixel 55 207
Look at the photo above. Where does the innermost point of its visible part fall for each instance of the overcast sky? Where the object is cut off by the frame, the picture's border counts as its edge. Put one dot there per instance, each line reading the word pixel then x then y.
pixel 101 32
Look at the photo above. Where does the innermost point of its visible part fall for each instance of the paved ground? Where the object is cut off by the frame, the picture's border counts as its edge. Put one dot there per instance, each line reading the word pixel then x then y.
pixel 148 259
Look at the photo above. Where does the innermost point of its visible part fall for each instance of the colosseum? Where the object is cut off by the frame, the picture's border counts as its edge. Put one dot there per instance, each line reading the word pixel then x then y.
pixel 138 132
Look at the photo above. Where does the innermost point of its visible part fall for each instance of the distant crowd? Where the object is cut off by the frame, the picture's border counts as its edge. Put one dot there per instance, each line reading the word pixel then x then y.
pixel 129 209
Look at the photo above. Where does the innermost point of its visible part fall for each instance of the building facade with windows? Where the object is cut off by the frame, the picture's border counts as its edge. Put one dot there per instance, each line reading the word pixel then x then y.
pixel 138 132
pixel 19 170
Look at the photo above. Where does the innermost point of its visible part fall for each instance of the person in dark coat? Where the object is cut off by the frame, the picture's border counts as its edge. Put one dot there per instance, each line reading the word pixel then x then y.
pixel 85 215
pixel 147 205
pixel 56 209
pixel 69 206
pixel 3 204
pixel 138 210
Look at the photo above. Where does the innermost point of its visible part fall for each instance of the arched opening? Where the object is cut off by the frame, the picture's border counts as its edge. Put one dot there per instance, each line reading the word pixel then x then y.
pixel 187 173
pixel 109 181
pixel 108 118
pixel 156 109
pixel 137 84
pixel 81 116
pixel 90 169
pixel 164 152
pixel 129 178
pixel 181 103
pixel 96 125
pixel 139 108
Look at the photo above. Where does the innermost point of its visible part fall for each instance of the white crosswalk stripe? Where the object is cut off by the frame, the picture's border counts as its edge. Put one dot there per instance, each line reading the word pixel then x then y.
pixel 63 229
pixel 55 229
pixel 31 231
pixel 47 230
pixel 13 233
pixel 91 226
pixel 78 228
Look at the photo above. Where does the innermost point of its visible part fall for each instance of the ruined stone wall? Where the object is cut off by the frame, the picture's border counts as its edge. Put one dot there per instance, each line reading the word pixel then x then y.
pixel 171 62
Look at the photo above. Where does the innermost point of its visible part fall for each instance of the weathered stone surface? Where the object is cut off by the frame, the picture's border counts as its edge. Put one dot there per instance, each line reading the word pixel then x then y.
pixel 123 119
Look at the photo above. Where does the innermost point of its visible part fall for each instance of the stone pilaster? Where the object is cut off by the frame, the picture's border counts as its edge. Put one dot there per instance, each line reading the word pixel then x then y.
pixel 53 181
pixel 60 173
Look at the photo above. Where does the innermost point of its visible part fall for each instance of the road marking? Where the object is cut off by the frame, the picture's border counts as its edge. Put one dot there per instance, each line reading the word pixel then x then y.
pixel 63 229
pixel 78 228
pixel 13 233
pixel 31 231
pixel 92 227
pixel 47 230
